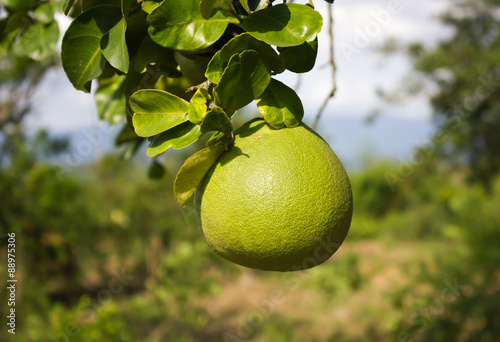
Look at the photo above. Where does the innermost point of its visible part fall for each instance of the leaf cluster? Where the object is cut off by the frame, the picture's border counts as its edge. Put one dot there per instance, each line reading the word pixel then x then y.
pixel 176 70
pixel 145 55
pixel 172 71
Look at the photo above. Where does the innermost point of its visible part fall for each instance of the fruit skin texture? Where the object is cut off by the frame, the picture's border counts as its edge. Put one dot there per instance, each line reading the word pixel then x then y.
pixel 277 200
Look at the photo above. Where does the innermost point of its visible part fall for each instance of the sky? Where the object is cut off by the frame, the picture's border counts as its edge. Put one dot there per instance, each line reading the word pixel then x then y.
pixel 359 27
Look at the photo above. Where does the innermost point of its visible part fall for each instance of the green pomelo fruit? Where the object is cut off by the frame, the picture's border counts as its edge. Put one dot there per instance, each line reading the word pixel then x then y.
pixel 278 199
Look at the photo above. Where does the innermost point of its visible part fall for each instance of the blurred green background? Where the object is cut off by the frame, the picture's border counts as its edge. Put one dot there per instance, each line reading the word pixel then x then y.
pixel 105 254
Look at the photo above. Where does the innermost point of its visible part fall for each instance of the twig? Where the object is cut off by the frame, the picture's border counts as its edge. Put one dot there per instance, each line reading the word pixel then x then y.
pixel 205 85
pixel 334 68
pixel 298 83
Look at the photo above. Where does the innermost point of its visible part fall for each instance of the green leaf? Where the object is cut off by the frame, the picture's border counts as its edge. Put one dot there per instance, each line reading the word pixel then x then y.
pixel 44 13
pixel 156 111
pixel 280 105
pixel 39 41
pixel 67 6
pixel 300 58
pixel 149 6
pixel 244 4
pixel 156 170
pixel 216 120
pixel 152 53
pixel 198 105
pixel 19 4
pixel 114 46
pixel 284 24
pixel 193 171
pixel 244 79
pixel 209 7
pixel 178 137
pixel 179 25
pixel 82 58
pixel 110 99
pixel 215 138
pixel 239 44
pixel 253 5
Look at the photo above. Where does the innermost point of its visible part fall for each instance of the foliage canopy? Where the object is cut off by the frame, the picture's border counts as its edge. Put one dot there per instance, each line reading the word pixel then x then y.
pixel 174 71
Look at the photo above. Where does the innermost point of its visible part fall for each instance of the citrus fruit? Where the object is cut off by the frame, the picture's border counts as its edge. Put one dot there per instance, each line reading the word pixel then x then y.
pixel 277 199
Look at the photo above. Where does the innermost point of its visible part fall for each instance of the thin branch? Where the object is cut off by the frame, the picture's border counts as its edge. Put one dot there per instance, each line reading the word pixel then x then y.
pixel 207 84
pixel 333 66
pixel 298 83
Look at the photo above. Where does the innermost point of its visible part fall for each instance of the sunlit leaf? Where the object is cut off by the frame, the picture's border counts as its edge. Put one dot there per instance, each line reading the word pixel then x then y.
pixel 253 5
pixel 81 53
pixel 216 120
pixel 244 79
pixel 110 99
pixel 114 46
pixel 179 25
pixel 67 6
pixel 284 24
pixel 150 6
pixel 193 171
pixel 209 7
pixel 198 105
pixel 280 105
pixel 178 137
pixel 156 111
pixel 239 44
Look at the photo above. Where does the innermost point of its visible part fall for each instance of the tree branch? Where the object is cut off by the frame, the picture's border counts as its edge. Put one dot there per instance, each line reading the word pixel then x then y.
pixel 333 66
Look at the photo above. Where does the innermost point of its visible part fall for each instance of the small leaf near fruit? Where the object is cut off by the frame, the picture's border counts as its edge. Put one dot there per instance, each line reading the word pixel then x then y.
pixel 216 120
pixel 198 105
pixel 178 137
pixel 244 79
pixel 237 45
pixel 193 171
pixel 280 105
pixel 156 111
